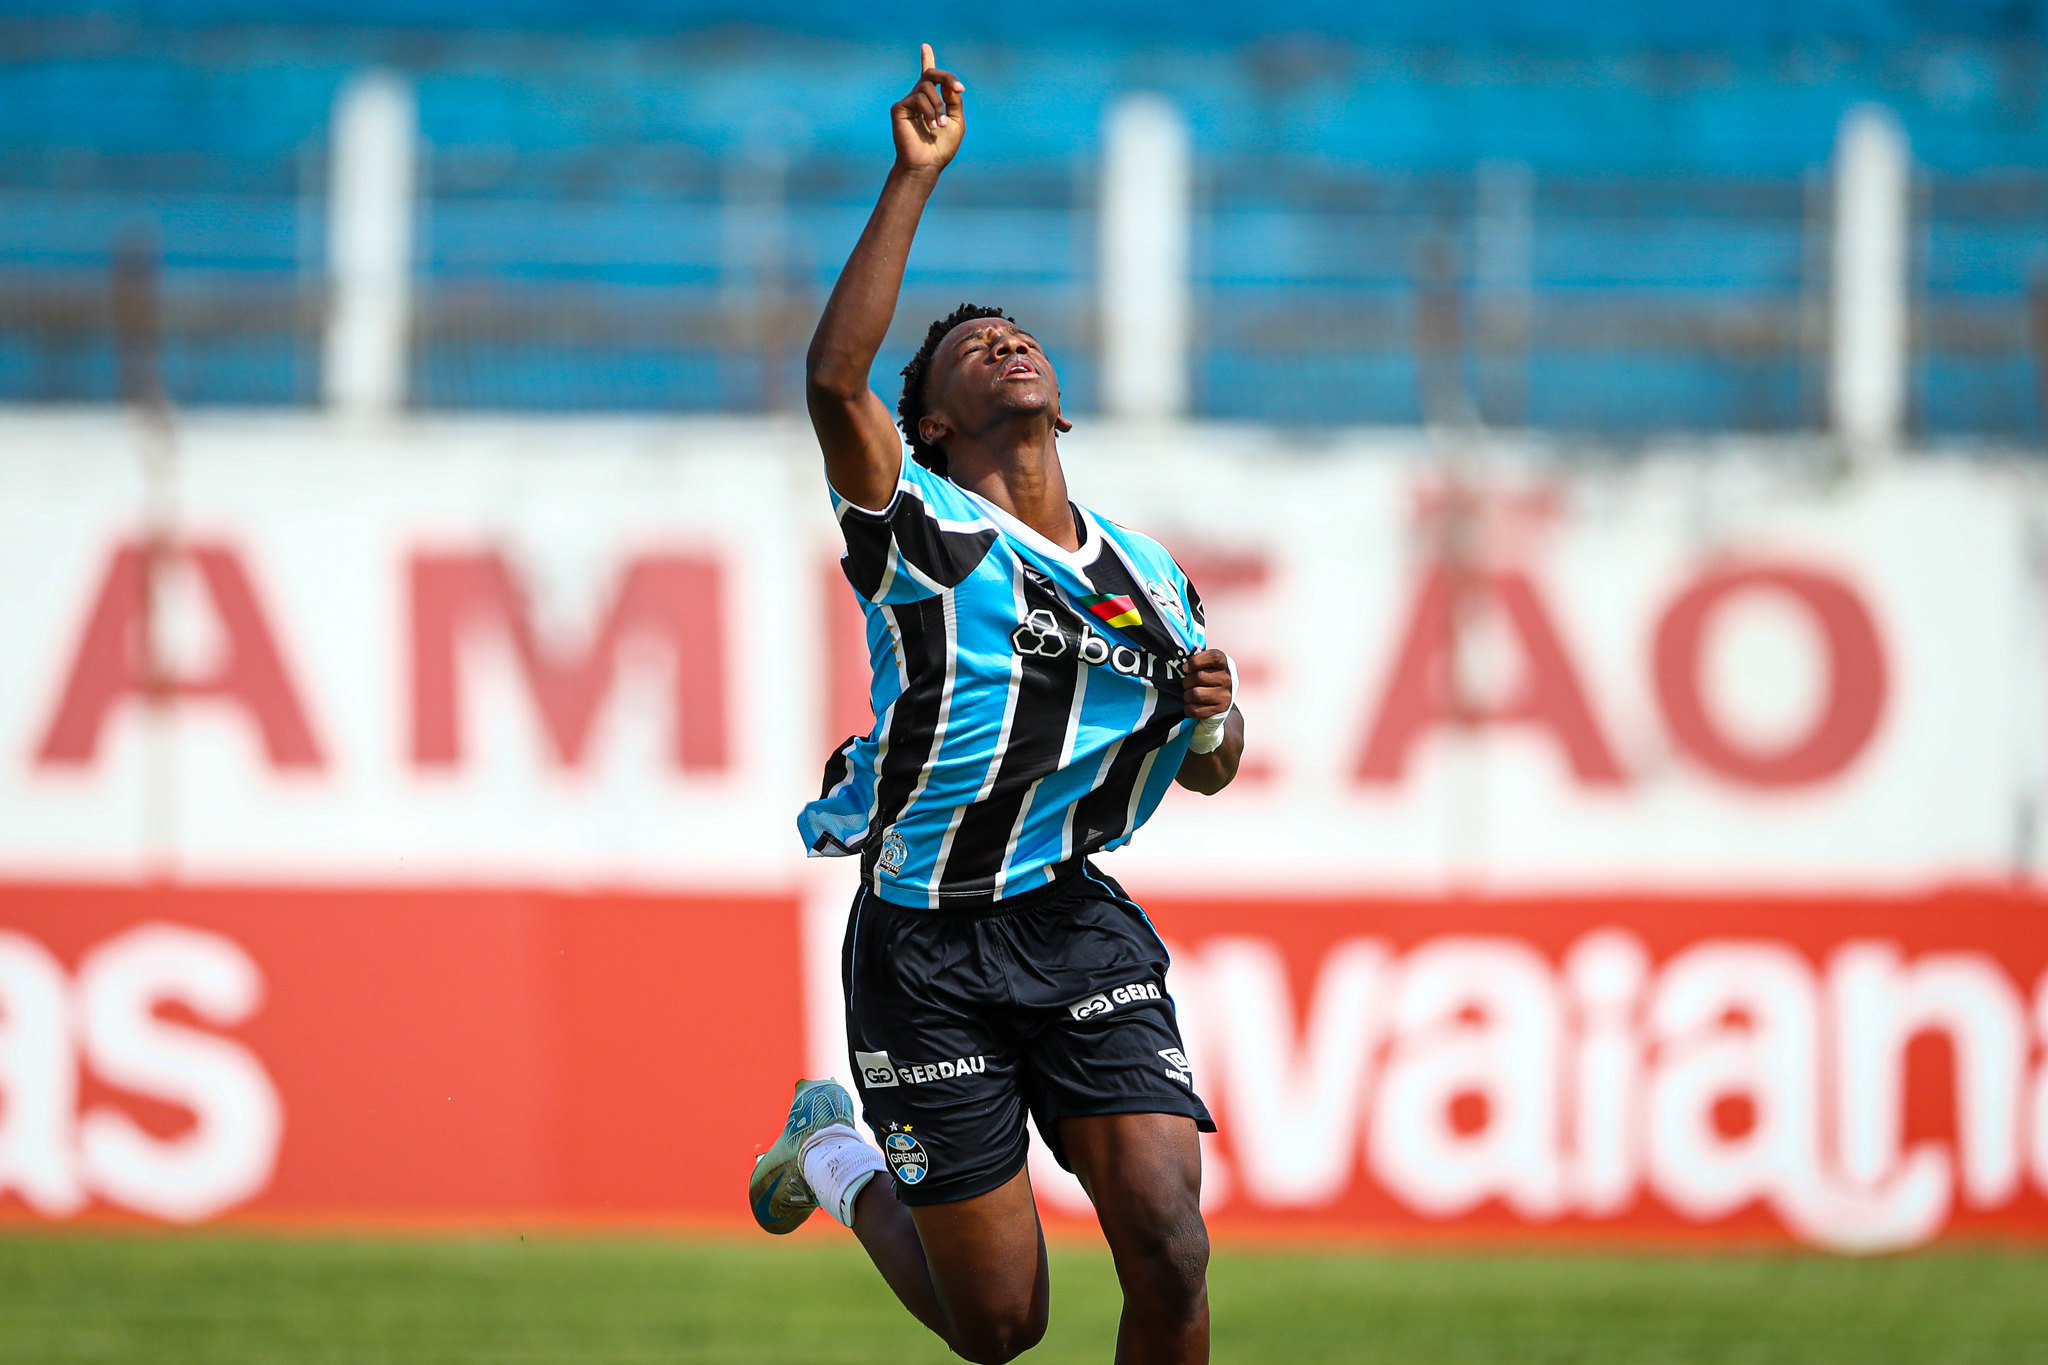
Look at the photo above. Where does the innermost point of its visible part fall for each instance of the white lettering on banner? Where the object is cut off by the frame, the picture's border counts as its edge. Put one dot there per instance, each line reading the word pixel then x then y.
pixel 38 1079
pixel 53 1160
pixel 2037 1112
pixel 1506 1059
pixel 1879 1004
pixel 1308 1097
pixel 1737 1027
pixel 228 1155
pixel 1478 1072
pixel 1605 972
pixel 1742 1021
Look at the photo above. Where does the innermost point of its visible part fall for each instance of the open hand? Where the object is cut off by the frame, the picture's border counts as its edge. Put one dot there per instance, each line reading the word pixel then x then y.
pixel 927 122
pixel 1206 690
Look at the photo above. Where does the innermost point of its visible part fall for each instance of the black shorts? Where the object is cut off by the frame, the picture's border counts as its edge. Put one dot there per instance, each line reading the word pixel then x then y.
pixel 958 1021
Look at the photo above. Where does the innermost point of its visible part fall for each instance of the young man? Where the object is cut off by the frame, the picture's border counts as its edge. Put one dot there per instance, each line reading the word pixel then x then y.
pixel 1041 677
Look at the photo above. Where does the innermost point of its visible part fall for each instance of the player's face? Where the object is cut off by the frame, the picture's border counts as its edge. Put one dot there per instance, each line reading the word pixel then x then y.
pixel 986 368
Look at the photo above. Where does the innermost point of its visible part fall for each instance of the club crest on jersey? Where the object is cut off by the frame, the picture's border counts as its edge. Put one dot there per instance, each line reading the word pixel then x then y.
pixel 894 853
pixel 1167 600
pixel 906 1155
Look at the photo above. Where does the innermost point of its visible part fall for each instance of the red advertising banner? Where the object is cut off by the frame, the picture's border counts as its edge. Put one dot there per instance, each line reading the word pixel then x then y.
pixel 1859 1073
pixel 400 1054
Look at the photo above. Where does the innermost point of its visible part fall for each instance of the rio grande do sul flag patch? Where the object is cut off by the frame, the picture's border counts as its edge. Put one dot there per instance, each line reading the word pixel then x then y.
pixel 1114 609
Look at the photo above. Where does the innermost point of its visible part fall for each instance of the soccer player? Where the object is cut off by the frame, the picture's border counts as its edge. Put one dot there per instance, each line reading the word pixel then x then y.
pixel 1041 676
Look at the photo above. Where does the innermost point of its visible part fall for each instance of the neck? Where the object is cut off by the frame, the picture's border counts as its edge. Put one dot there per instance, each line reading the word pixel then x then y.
pixel 1023 477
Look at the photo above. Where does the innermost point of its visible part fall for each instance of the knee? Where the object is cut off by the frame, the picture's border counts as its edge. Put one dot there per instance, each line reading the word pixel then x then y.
pixel 993 1341
pixel 1169 1263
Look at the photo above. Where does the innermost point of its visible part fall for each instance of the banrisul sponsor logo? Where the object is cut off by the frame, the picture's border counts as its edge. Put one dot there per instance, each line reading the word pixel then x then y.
pixel 906 1155
pixel 1042 633
pixel 924 1073
pixel 1109 1000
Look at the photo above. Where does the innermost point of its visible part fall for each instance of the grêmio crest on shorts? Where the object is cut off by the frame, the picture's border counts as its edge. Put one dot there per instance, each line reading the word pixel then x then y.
pixel 1027 699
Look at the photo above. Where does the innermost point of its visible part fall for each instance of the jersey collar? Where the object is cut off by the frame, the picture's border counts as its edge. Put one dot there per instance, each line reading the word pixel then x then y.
pixel 1069 571
pixel 1077 560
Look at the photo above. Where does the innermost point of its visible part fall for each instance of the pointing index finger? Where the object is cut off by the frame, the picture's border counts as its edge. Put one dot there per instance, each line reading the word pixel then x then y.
pixel 926 60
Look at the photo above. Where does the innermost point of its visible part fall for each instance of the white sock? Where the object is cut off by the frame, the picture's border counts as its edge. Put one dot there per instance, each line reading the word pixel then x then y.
pixel 837 1164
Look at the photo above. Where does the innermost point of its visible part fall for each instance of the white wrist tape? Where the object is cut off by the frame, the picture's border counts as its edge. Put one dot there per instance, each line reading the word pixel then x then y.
pixel 1208 734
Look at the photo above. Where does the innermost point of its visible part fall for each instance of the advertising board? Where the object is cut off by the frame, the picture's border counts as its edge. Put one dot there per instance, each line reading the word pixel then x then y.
pixel 1645 847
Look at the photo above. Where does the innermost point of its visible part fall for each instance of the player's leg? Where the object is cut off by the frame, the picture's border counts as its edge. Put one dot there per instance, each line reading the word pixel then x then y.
pixel 969 1265
pixel 972 1271
pixel 951 1225
pixel 1110 1085
pixel 1144 1173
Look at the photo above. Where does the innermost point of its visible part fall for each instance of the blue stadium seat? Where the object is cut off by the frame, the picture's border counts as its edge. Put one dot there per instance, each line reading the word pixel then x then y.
pixel 583 245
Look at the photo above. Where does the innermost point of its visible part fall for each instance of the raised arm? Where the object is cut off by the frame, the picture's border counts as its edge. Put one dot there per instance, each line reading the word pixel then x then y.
pixel 863 452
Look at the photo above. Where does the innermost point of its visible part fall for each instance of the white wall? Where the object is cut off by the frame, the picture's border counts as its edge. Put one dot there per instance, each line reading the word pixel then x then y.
pixel 1327 549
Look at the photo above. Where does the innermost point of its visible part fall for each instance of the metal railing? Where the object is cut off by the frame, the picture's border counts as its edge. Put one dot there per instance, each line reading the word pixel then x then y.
pixel 666 278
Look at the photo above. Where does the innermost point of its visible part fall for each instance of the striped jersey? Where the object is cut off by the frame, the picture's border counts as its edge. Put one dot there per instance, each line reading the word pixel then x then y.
pixel 1027 698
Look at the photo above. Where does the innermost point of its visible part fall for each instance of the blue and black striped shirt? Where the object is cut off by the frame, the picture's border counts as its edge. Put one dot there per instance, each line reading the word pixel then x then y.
pixel 1027 699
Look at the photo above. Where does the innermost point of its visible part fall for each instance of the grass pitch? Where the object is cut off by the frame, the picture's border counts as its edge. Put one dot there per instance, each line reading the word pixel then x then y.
pixel 231 1299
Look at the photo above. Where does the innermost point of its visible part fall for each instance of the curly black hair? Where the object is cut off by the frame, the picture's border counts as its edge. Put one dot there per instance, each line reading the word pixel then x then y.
pixel 910 408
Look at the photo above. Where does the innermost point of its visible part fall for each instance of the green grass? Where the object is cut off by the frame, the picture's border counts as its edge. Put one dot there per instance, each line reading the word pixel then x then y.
pixel 228 1299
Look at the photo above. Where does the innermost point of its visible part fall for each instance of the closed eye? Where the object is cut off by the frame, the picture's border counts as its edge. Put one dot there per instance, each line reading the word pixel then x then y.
pixel 981 342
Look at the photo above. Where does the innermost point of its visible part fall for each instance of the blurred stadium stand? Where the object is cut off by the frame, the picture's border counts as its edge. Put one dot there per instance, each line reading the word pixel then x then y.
pixel 1615 216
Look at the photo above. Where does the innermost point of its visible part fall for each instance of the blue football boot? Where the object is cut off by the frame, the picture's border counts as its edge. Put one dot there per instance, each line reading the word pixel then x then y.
pixel 780 1196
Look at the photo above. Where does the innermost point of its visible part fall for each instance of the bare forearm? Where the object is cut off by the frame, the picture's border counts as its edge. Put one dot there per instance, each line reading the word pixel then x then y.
pixel 857 316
